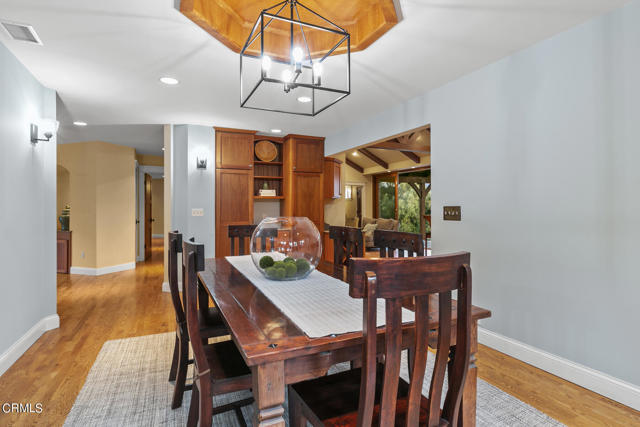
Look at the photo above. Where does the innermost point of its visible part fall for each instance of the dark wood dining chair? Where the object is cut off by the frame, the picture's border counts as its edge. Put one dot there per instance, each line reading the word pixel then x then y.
pixel 218 367
pixel 348 243
pixel 239 234
pixel 375 394
pixel 211 321
pixel 390 241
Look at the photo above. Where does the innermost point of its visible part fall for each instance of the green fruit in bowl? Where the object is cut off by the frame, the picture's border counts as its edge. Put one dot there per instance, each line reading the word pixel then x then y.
pixel 278 264
pixel 266 261
pixel 302 265
pixel 289 259
pixel 291 269
pixel 280 273
pixel 270 272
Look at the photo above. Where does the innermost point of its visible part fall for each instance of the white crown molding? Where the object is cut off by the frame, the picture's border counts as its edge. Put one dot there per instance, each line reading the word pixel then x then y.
pixel 614 388
pixel 102 270
pixel 18 348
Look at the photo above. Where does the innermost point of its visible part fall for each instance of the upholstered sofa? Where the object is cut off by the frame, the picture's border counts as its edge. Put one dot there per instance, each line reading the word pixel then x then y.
pixel 371 224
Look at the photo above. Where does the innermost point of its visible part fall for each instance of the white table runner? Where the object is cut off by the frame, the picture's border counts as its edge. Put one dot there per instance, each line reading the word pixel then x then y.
pixel 319 304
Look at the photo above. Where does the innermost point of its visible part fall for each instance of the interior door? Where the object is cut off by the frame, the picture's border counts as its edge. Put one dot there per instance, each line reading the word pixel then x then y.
pixel 148 220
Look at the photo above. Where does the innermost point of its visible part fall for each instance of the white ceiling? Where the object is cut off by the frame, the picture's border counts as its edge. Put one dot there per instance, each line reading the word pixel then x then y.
pixel 105 58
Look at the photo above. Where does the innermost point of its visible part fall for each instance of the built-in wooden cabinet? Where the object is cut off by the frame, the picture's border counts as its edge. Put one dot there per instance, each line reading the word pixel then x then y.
pixel 297 175
pixel 304 176
pixel 234 149
pixel 307 153
pixel 234 204
pixel 307 197
pixel 64 251
pixel 234 183
pixel 332 181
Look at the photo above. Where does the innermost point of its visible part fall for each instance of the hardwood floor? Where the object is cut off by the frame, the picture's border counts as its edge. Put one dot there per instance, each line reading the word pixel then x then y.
pixel 97 309
pixel 92 310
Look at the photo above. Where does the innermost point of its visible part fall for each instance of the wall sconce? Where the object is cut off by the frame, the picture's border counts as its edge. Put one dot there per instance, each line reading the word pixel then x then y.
pixel 34 135
pixel 201 163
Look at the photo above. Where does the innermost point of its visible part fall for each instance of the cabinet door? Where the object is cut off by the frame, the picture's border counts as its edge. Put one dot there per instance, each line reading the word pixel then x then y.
pixel 63 255
pixel 308 155
pixel 234 204
pixel 332 184
pixel 234 150
pixel 307 197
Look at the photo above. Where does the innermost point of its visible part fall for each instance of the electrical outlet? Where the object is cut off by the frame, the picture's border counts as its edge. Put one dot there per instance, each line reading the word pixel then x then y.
pixel 82 255
pixel 197 212
pixel 452 213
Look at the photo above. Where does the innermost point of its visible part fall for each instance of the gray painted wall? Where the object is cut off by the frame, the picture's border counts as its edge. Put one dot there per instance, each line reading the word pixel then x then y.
pixel 27 202
pixel 194 188
pixel 541 150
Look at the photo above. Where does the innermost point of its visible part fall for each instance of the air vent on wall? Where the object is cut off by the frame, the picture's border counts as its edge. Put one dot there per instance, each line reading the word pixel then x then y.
pixel 21 32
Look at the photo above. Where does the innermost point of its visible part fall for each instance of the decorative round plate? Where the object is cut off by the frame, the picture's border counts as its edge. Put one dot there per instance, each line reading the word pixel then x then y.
pixel 266 151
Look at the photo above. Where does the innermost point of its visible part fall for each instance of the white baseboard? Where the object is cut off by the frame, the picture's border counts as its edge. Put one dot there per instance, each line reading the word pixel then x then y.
pixel 614 388
pixel 18 348
pixel 165 286
pixel 102 270
pixel 157 236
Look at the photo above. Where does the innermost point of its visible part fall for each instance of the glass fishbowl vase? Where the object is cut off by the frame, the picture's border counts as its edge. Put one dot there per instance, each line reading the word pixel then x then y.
pixel 286 248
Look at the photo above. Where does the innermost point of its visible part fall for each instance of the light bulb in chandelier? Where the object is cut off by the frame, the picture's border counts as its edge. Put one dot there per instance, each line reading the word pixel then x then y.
pixel 297 54
pixel 266 64
pixel 287 75
pixel 317 72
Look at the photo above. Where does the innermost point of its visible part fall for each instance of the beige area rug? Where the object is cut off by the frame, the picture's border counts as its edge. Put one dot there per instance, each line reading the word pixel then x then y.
pixel 127 386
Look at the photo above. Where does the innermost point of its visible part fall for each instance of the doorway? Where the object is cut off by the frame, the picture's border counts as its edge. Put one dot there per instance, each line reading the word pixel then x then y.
pixel 353 204
pixel 406 197
pixel 150 209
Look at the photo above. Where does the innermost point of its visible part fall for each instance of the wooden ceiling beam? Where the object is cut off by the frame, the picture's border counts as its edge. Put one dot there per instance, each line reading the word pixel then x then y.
pixel 413 156
pixel 374 158
pixel 409 146
pixel 354 165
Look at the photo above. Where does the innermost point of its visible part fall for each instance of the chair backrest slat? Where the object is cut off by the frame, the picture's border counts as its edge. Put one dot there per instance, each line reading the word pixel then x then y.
pixel 347 243
pixel 243 233
pixel 394 279
pixel 193 262
pixel 389 241
pixel 175 247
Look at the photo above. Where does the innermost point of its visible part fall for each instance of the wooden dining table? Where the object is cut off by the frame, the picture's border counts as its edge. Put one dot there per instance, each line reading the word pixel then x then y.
pixel 279 353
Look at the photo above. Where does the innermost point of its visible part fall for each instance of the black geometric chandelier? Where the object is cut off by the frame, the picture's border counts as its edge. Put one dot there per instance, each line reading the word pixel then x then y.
pixel 294 61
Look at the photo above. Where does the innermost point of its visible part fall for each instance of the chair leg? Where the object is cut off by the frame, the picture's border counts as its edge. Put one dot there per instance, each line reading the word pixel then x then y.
pixel 181 377
pixel 174 362
pixel 194 408
pixel 205 404
pixel 296 419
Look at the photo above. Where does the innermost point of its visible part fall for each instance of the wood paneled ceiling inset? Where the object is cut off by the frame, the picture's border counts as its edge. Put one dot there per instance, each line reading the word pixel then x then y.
pixel 231 21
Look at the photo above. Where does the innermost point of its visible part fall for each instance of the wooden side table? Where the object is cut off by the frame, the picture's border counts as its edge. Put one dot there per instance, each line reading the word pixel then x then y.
pixel 64 251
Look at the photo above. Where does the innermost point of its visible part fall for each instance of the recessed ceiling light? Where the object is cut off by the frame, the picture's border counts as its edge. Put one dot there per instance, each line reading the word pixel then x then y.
pixel 355 153
pixel 162 148
pixel 304 99
pixel 169 81
pixel 276 130
pixel 80 123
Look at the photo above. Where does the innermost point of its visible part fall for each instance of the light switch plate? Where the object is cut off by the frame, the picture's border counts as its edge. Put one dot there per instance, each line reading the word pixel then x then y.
pixel 197 212
pixel 452 213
